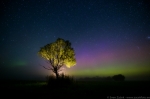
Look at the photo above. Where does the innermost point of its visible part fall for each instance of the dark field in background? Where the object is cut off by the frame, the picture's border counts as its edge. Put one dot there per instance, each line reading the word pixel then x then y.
pixel 77 89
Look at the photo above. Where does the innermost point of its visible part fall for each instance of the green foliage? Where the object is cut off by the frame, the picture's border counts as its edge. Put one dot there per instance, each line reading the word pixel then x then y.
pixel 59 53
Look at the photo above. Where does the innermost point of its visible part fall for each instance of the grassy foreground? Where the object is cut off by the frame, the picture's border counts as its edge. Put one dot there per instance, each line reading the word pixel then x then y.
pixel 76 89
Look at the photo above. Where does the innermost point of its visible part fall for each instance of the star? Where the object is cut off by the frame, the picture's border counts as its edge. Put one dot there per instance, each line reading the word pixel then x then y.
pixel 106 36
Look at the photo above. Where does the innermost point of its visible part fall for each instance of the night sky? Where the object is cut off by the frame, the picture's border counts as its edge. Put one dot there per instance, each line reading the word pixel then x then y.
pixel 109 37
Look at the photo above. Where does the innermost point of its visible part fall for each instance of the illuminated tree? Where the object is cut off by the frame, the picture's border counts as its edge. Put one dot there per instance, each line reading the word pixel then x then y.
pixel 59 54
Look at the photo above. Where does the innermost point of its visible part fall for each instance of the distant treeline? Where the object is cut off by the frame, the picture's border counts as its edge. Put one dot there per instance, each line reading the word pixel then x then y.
pixel 118 77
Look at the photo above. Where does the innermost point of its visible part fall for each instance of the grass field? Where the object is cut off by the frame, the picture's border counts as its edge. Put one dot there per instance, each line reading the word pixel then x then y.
pixel 77 89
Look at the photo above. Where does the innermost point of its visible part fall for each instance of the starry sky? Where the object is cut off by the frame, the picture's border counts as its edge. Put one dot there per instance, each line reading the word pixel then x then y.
pixel 109 37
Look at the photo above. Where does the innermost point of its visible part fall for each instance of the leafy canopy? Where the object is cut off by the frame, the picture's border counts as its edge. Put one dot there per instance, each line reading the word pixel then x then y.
pixel 59 53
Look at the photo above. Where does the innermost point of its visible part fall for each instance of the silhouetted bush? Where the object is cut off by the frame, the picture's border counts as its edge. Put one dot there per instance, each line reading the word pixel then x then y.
pixel 119 77
pixel 62 80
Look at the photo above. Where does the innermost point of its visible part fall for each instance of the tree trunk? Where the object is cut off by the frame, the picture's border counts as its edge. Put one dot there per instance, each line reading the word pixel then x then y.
pixel 55 70
pixel 57 75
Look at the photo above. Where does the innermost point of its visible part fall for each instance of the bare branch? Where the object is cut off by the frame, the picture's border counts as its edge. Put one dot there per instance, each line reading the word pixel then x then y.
pixel 47 62
pixel 59 66
pixel 51 63
pixel 46 67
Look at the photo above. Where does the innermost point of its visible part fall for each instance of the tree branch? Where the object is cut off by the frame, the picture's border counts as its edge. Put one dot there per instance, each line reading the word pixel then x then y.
pixel 51 63
pixel 46 67
pixel 59 66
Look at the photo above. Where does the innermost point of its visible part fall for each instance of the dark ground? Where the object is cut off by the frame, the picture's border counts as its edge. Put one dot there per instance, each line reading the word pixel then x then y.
pixel 78 89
